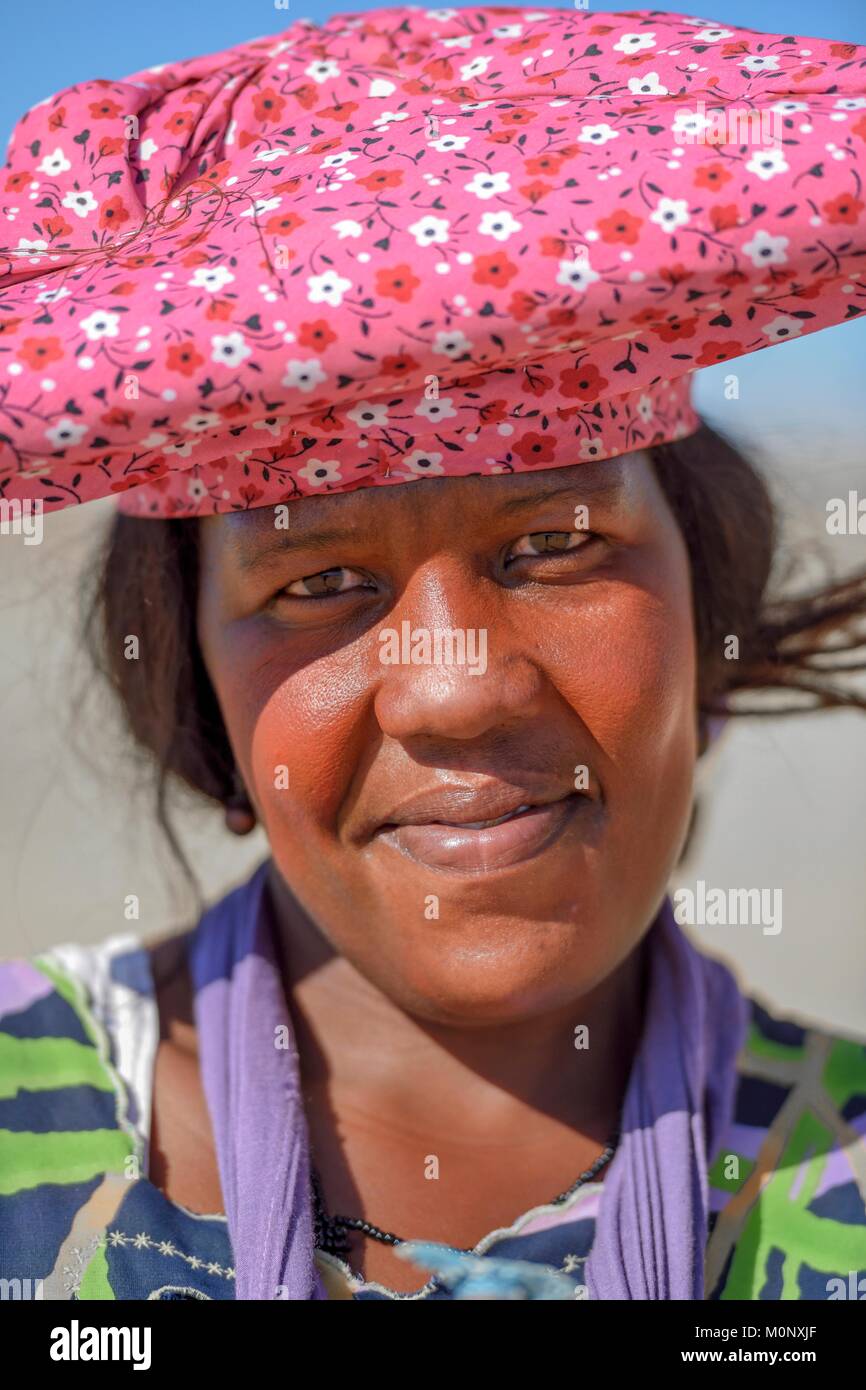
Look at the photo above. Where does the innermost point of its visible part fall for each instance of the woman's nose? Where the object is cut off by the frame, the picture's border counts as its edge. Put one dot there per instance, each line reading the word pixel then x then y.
pixel 454 662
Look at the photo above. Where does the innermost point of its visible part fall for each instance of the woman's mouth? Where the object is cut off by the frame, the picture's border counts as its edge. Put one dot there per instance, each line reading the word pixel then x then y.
pixel 478 846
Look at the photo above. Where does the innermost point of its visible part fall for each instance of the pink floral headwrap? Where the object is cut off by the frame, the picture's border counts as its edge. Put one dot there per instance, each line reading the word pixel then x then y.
pixel 412 242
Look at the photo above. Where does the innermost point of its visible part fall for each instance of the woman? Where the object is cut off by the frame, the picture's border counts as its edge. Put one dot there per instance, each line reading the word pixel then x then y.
pixel 453 1006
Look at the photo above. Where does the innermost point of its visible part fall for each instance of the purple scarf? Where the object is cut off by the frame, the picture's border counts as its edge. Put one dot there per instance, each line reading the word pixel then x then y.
pixel 651 1232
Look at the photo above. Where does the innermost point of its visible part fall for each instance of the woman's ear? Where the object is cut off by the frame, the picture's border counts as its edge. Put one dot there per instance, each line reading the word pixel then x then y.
pixel 239 815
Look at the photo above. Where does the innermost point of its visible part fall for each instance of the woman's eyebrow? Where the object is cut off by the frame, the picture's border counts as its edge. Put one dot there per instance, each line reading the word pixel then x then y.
pixel 599 491
pixel 254 551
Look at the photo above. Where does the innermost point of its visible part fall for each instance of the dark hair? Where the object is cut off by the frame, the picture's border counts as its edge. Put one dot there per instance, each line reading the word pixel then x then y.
pixel 146 582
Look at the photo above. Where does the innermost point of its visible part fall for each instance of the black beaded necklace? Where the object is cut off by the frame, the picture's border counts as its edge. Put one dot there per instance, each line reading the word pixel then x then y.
pixel 331 1233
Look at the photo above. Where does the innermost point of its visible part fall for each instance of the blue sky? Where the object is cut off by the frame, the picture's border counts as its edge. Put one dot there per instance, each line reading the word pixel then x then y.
pixel 55 43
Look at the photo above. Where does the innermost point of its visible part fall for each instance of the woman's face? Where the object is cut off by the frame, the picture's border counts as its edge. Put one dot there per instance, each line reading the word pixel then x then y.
pixel 377 752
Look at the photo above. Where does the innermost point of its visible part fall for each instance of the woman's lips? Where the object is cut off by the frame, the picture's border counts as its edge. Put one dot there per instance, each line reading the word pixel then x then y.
pixel 513 839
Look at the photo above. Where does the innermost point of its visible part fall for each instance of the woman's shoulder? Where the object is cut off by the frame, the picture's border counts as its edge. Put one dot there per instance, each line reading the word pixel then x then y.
pixel 79 1029
pixel 788 1188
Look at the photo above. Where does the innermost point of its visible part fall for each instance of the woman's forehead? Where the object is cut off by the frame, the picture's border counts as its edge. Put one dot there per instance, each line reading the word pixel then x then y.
pixel 375 512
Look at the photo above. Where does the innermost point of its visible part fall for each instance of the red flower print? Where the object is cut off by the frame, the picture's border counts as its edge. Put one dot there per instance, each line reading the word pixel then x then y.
pixel 268 105
pixel 496 269
pixel 586 382
pixel 673 328
pixel 553 246
pixel 522 45
pixel 724 217
pixel 306 96
pixel 519 115
pixel 110 144
pixel 712 176
pixel 224 308
pixel 104 110
pixel 843 50
pixel 621 225
pixel 536 190
pixel 732 278
pixel 647 315
pixel 16 182
pixel 535 448
pixel 250 494
pixel 718 352
pixel 844 208
pixel 116 416
pixel 400 365
pixel 37 352
pixel 316 333
pixel 283 223
pixel 8 326
pixel 183 358
pixel 439 70
pixel 674 274
pixel 57 118
pixel 859 127
pixel 521 305
pixel 561 317
pixel 180 122
pixel 113 213
pixel 493 411
pixel 340 111
pixel 544 164
pixel 382 178
pixel 733 50
pixel 398 283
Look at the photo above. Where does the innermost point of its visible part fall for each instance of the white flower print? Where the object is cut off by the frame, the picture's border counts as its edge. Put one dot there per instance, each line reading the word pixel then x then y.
pixel 634 43
pixel 451 343
pixel 304 375
pixel 147 149
pixel 647 86
pixel 767 164
pixel 368 414
pixel 196 490
pixel 760 62
pixel 475 68
pixel 319 472
pixel 267 156
pixel 202 420
pixel 261 205
pixel 670 214
pixel 713 35
pixel 782 327
pixel 102 323
pixel 421 462
pixel 788 108
pixel 323 70
pixel 327 288
pixel 645 409
pixel 388 116
pixel 347 228
pixel 850 103
pixel 447 144
pixel 507 31
pixel 688 125
pixel 765 249
pixel 436 410
pixel 54 164
pixel 597 134
pixel 212 278
pixel 65 432
pixel 486 184
pixel 577 275
pixel 271 423
pixel 500 225
pixel 337 160
pixel 590 449
pixel 82 204
pixel 430 230
pixel 52 296
pixel 26 247
pixel 229 348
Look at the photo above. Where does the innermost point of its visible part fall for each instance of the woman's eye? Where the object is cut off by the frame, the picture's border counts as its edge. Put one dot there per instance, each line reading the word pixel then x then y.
pixel 549 542
pixel 338 580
